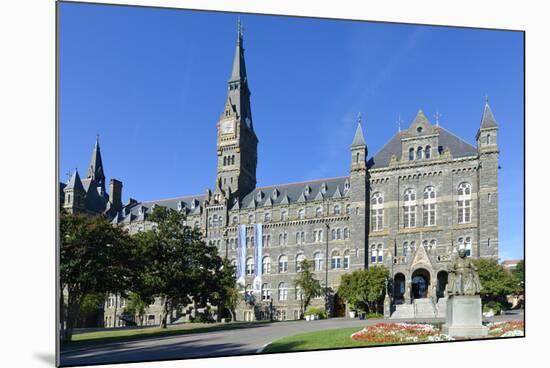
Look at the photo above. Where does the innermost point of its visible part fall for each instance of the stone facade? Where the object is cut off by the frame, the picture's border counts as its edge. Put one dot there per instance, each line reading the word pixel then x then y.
pixel 425 194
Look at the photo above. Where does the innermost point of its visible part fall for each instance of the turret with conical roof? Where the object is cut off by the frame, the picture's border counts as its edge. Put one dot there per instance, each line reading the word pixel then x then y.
pixel 486 136
pixel 75 194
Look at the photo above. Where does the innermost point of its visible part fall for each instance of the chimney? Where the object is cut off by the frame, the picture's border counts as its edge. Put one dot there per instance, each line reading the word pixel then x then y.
pixel 115 194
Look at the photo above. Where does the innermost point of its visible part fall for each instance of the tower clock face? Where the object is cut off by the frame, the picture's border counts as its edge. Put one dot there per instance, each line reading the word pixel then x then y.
pixel 227 127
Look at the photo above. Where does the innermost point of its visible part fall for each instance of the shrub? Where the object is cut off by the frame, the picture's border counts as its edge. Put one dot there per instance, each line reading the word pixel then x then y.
pixel 316 311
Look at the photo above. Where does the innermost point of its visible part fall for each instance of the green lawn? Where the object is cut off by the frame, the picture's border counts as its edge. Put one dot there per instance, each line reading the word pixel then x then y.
pixel 326 339
pixel 143 333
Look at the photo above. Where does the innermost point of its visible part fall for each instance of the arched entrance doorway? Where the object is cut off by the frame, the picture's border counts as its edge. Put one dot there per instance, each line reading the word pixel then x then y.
pixel 420 284
pixel 442 277
pixel 399 287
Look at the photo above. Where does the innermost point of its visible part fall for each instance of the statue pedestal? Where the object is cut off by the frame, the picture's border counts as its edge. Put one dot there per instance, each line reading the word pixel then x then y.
pixel 387 307
pixel 464 317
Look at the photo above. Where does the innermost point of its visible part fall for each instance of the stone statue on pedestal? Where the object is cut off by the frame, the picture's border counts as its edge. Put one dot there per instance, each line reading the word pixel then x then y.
pixel 463 277
pixel 464 303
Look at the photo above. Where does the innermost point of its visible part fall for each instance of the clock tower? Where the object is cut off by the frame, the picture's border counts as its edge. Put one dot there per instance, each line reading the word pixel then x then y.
pixel 237 144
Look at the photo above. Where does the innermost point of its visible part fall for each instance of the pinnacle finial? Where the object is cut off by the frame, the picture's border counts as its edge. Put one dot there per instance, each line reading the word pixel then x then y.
pixel 399 121
pixel 359 117
pixel 239 29
pixel 437 116
pixel 486 99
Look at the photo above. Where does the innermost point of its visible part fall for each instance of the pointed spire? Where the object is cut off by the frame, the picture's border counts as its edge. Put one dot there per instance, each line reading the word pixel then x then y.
pixel 95 170
pixel 358 140
pixel 75 183
pixel 488 119
pixel 238 73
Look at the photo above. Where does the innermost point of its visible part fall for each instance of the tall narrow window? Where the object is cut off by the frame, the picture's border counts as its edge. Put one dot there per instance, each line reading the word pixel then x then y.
pixel 283 264
pixel 411 154
pixel 283 291
pixel 318 212
pixel 346 260
pixel 266 265
pixel 284 215
pixel 373 253
pixel 377 212
pixel 320 235
pixel 301 214
pixel 318 261
pixel 335 260
pixel 466 244
pixel 409 209
pixel 429 207
pixel 250 266
pixel 266 292
pixel 464 203
pixel 488 139
pixel 428 152
pixel 419 153
pixel 299 259
pixel 405 249
pixel 380 253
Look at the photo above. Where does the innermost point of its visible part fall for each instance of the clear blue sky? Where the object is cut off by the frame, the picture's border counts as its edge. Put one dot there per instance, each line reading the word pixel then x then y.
pixel 152 83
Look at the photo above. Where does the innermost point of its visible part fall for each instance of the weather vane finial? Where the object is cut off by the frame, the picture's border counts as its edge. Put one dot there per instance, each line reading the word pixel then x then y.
pixel 486 98
pixel 437 116
pixel 359 118
pixel 399 121
pixel 239 28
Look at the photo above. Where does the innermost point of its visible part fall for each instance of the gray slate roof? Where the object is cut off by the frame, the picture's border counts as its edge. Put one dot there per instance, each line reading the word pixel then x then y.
pixel 358 139
pixel 447 140
pixel 173 203
pixel 488 119
pixel 295 192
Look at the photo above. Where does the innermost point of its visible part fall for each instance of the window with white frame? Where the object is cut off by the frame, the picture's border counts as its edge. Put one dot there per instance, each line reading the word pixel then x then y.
pixel 466 244
pixel 319 212
pixel 320 235
pixel 250 266
pixel 284 215
pixel 283 291
pixel 299 259
pixel 267 216
pixel 428 152
pixel 380 253
pixel 337 209
pixel 266 265
pixel 348 209
pixel 335 260
pixel 266 292
pixel 235 220
pixel 409 209
pixel 315 236
pixel 250 219
pixel 411 154
pixel 283 264
pixel 377 212
pixel 346 260
pixel 406 249
pixel 338 234
pixel 346 233
pixel 318 261
pixel 373 253
pixel 299 294
pixel 302 214
pixel 419 152
pixel 429 207
pixel 464 203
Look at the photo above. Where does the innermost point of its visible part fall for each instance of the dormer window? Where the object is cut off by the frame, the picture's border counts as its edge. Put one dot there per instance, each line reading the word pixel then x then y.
pixel 141 210
pixel 346 186
pixel 323 188
pixel 307 190
pixel 181 205
pixel 259 196
pixel 275 194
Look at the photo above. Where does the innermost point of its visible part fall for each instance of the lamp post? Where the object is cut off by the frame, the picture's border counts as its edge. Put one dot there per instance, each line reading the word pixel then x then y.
pixel 326 271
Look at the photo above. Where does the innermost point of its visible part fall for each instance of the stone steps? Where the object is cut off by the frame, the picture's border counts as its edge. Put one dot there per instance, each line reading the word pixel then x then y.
pixel 420 308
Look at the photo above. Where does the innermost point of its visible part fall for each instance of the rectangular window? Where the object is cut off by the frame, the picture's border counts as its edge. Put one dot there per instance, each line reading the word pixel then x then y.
pixel 346 262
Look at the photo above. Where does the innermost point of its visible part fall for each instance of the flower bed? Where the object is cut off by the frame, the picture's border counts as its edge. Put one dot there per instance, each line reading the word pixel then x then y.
pixel 506 329
pixel 395 333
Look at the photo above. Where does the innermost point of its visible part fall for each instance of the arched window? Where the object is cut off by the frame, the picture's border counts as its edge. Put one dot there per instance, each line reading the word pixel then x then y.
pixel 338 234
pixel 411 154
pixel 466 244
pixel 333 234
pixel 318 212
pixel 335 260
pixel 283 264
pixel 267 217
pixel 318 261
pixel 250 266
pixel 488 139
pixel 301 214
pixel 405 249
pixel 348 209
pixel 346 260
pixel 357 157
pixel 464 203
pixel 285 238
pixel 425 244
pixel 268 240
pixel 337 209
pixel 413 247
pixel 320 235
pixel 266 265
pixel 432 244
pixel 419 153
pixel 346 233
pixel 409 209
pixel 299 259
pixel 302 237
pixel 373 253
pixel 250 219
pixel 380 253
pixel 224 160
pixel 428 152
pixel 283 291
pixel 429 206
pixel 284 215
pixel 377 212
pixel 233 160
pixel 266 292
pixel 299 293
pixel 235 220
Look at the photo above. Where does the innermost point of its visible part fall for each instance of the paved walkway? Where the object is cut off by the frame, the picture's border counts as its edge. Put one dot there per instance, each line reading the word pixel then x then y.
pixel 210 344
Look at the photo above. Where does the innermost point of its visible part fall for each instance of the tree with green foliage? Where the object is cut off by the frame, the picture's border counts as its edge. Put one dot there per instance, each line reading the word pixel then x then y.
pixel 519 276
pixel 496 283
pixel 136 307
pixel 364 289
pixel 176 264
pixel 226 293
pixel 307 286
pixel 94 258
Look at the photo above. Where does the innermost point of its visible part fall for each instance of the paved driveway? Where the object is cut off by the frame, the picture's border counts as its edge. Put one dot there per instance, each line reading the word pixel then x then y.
pixel 217 343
